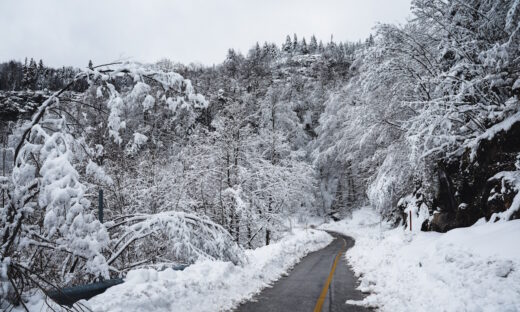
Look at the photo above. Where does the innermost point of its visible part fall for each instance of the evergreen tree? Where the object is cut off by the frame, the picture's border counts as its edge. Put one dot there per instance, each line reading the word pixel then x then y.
pixel 265 50
pixel 41 76
pixel 287 47
pixel 370 41
pixel 272 51
pixel 233 63
pixel 313 45
pixel 32 74
pixel 258 51
pixel 296 44
pixel 25 73
pixel 305 49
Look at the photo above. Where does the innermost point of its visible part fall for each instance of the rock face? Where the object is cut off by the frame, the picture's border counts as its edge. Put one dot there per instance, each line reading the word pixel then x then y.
pixel 470 189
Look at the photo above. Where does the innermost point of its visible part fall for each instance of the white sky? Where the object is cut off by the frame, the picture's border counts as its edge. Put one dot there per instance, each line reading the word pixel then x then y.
pixel 70 32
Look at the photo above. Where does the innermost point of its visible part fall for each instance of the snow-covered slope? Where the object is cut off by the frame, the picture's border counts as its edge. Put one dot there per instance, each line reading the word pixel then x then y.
pixel 466 269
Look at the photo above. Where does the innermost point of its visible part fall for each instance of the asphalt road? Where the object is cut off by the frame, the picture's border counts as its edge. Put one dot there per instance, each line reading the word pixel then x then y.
pixel 300 291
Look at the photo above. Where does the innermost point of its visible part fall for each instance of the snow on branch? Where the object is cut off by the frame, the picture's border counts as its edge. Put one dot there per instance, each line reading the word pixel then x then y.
pixel 186 237
pixel 49 222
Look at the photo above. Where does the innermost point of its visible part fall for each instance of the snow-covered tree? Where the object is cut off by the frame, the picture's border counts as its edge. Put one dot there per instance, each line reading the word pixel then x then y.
pixel 287 47
pixel 50 232
pixel 313 45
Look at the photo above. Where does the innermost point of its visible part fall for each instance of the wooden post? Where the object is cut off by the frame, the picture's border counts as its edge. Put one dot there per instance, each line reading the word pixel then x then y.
pixel 100 206
pixel 3 169
pixel 410 220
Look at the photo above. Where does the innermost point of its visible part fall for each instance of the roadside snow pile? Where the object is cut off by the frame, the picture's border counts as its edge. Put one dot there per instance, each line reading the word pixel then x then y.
pixel 466 269
pixel 209 285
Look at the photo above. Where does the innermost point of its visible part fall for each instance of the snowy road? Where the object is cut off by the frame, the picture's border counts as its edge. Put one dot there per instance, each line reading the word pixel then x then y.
pixel 305 286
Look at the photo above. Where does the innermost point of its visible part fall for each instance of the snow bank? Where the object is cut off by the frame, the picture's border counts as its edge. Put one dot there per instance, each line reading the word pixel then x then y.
pixel 466 269
pixel 209 285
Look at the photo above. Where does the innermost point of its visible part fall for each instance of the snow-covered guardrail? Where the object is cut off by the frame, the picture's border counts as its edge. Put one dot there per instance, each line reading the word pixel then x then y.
pixel 70 295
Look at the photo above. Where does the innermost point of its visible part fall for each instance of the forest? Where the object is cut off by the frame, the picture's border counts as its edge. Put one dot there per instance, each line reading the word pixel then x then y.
pixel 206 162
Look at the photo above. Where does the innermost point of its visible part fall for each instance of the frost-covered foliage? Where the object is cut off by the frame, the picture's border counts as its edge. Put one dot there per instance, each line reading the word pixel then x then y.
pixel 49 228
pixel 184 177
pixel 423 92
pixel 172 235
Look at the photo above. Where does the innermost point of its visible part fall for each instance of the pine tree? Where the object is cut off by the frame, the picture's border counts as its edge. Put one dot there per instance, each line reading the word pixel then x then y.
pixel 370 40
pixel 305 49
pixel 90 65
pixel 265 51
pixel 32 73
pixel 41 76
pixel 287 47
pixel 25 71
pixel 258 51
pixel 313 45
pixel 296 44
pixel 273 50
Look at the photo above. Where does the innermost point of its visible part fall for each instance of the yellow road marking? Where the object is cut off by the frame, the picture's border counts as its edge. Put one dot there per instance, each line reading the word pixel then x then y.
pixel 323 295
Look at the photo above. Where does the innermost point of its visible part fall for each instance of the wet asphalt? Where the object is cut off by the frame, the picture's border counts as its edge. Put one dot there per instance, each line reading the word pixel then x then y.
pixel 300 290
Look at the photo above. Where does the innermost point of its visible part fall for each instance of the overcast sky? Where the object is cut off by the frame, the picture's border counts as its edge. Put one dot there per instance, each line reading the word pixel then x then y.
pixel 70 32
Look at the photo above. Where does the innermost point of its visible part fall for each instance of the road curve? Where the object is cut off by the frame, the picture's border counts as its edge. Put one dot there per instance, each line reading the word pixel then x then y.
pixel 300 291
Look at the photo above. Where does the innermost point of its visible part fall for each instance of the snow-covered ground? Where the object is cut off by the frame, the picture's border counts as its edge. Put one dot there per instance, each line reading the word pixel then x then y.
pixel 466 269
pixel 205 285
pixel 210 285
